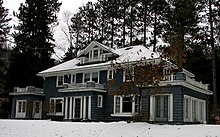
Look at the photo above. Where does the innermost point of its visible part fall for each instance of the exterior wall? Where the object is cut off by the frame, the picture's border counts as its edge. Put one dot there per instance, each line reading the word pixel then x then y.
pixel 29 105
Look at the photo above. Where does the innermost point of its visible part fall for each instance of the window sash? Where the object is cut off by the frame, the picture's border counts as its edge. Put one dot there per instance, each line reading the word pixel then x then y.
pixel 60 81
pixel 100 101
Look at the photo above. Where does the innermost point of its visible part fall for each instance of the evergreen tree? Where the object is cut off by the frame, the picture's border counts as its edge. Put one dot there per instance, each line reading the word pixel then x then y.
pixel 34 41
pixel 4 53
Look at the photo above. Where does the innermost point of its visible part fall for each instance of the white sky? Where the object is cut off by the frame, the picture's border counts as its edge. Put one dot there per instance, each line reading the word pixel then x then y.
pixel 67 5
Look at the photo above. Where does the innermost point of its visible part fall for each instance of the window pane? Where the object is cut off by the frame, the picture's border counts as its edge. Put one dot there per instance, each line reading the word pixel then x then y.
pixel 37 107
pixel 60 80
pixel 110 74
pixel 127 104
pixel 95 77
pixel 73 78
pixel 95 54
pixel 19 106
pixel 86 77
pixel 117 104
pixel 58 105
pixel 24 107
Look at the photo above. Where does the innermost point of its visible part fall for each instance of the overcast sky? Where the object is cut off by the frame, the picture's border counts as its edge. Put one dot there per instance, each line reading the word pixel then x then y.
pixel 67 5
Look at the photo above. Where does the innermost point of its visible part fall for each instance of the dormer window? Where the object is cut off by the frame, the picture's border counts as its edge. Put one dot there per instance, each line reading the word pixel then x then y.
pixel 94 54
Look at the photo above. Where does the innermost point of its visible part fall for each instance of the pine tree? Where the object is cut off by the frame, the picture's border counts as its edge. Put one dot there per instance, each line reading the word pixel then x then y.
pixel 34 41
pixel 4 52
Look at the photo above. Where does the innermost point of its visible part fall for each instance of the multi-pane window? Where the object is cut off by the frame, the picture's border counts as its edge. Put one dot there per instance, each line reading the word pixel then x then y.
pixel 21 106
pixel 194 109
pixel 110 74
pixel 117 104
pixel 56 106
pixel 125 104
pixel 129 74
pixel 94 76
pixel 95 54
pixel 86 77
pixel 37 107
pixel 73 78
pixel 60 81
pixel 100 101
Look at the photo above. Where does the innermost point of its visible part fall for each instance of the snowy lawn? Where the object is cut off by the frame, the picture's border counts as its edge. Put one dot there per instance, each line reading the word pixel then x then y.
pixel 44 128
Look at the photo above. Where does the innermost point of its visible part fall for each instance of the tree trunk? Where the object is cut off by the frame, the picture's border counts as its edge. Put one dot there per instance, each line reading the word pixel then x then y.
pixel 213 55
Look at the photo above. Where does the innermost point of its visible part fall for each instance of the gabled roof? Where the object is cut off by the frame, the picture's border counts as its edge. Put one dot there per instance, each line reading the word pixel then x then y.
pixel 95 43
pixel 128 54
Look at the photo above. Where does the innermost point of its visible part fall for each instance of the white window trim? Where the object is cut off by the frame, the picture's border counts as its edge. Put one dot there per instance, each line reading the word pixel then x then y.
pixel 37 115
pixel 58 80
pixel 190 107
pixel 81 106
pixel 123 114
pixel 101 101
pixel 21 114
pixel 91 54
pixel 112 73
pixel 90 75
pixel 170 106
pixel 74 78
pixel 58 113
pixel 124 75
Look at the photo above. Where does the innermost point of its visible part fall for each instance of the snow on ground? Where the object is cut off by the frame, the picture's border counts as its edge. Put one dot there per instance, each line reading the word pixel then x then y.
pixel 46 128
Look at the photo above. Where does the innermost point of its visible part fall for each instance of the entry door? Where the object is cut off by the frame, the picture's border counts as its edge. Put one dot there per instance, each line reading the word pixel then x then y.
pixel 78 108
pixel 161 107
pixel 37 109
pixel 21 108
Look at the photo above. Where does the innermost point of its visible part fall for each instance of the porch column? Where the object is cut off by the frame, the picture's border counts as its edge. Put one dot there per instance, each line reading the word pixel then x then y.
pixel 152 98
pixel 84 107
pixel 204 112
pixel 66 108
pixel 171 108
pixel 89 108
pixel 71 108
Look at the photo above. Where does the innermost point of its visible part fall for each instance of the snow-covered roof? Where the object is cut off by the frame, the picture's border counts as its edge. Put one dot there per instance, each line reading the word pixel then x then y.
pixel 135 53
pixel 128 54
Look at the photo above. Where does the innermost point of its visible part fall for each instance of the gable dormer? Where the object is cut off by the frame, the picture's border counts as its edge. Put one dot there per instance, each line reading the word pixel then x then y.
pixel 95 52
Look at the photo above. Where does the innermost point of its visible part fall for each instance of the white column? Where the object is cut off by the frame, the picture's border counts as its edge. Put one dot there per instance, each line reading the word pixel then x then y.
pixel 84 107
pixel 152 108
pixel 71 108
pixel 171 108
pixel 89 108
pixel 204 112
pixel 66 108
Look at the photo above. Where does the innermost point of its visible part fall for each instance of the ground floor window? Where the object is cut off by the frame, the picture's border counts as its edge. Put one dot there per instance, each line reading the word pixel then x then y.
pixel 194 109
pixel 21 108
pixel 161 107
pixel 56 106
pixel 125 105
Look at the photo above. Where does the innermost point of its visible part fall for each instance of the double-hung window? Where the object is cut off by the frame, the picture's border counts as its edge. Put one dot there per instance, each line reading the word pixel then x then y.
pixel 60 81
pixel 100 101
pixel 86 77
pixel 93 76
pixel 73 78
pixel 110 74
pixel 125 105
pixel 56 106
pixel 94 54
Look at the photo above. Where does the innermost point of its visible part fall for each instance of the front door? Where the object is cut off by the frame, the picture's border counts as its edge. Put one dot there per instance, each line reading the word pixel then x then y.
pixel 161 108
pixel 78 108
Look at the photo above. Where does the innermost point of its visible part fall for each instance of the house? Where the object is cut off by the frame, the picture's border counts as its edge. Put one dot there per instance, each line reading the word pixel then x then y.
pixel 78 90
